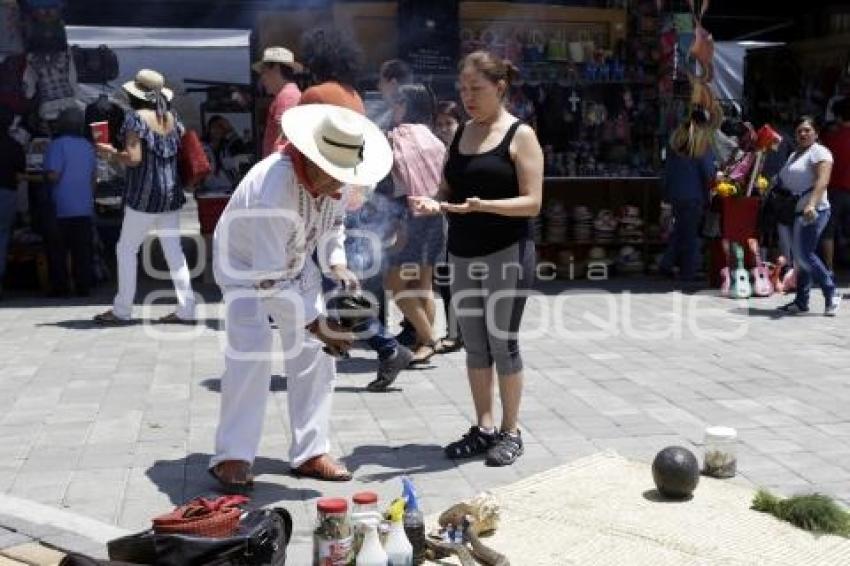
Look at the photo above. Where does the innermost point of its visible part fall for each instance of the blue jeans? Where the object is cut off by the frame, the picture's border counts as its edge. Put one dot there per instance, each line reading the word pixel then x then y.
pixel 808 265
pixel 684 245
pixel 8 209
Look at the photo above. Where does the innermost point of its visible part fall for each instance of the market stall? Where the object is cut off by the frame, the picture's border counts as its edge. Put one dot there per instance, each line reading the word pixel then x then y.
pixel 208 69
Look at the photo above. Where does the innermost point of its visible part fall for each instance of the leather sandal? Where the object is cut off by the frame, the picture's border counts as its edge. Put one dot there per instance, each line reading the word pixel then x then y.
pixel 234 476
pixel 174 318
pixel 109 318
pixel 322 467
pixel 448 345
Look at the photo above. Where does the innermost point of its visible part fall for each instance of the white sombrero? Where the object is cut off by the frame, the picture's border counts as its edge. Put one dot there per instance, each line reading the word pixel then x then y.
pixel 280 55
pixel 146 82
pixel 343 143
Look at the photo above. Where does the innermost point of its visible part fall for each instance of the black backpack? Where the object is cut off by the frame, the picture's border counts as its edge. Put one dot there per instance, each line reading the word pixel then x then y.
pixel 260 540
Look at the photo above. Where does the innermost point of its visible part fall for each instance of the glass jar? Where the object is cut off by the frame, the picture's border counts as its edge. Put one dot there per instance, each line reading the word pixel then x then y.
pixel 721 460
pixel 332 539
pixel 365 509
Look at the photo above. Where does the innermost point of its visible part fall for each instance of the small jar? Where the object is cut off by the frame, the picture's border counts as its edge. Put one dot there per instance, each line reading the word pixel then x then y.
pixel 365 509
pixel 721 460
pixel 333 537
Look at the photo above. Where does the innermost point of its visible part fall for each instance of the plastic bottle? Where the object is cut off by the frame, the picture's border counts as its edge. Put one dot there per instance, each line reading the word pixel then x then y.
pixel 371 552
pixel 399 549
pixel 414 522
pixel 365 510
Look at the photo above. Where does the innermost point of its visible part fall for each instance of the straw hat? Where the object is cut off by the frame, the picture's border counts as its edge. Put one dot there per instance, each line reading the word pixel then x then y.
pixel 343 143
pixel 280 55
pixel 146 82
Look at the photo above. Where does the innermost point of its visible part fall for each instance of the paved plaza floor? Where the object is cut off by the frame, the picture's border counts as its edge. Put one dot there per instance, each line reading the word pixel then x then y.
pixel 117 424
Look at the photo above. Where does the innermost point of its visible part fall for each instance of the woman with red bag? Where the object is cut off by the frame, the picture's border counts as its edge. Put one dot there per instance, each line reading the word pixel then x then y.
pixel 153 195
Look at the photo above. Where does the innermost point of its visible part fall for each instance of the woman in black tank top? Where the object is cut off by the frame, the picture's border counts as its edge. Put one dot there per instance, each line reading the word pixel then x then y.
pixel 493 187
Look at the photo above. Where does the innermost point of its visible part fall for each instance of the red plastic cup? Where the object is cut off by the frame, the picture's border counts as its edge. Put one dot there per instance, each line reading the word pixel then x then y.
pixel 100 132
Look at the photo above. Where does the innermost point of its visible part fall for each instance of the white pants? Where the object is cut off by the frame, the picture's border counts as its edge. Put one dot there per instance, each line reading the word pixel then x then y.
pixel 310 376
pixel 135 228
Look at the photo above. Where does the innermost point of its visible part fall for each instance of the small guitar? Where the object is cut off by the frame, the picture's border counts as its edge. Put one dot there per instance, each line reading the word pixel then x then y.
pixel 762 287
pixel 776 274
pixel 741 287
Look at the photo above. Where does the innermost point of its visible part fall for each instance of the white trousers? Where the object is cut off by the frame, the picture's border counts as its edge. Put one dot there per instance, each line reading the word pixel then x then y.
pixel 134 229
pixel 310 375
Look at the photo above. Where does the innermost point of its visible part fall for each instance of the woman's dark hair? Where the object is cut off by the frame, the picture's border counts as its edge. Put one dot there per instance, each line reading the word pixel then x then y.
pixel 70 122
pixel 449 108
pixel 494 68
pixel 139 104
pixel 398 70
pixel 806 118
pixel 213 119
pixel 331 55
pixel 419 104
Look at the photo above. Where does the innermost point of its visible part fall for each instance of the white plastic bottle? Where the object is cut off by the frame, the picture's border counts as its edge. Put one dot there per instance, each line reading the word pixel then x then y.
pixel 371 552
pixel 399 550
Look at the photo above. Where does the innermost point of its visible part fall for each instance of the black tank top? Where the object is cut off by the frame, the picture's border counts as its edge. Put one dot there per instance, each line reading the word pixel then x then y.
pixel 489 176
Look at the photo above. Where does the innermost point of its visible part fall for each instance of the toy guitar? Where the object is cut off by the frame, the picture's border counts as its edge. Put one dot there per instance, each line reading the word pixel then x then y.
pixel 741 288
pixel 762 286
pixel 776 274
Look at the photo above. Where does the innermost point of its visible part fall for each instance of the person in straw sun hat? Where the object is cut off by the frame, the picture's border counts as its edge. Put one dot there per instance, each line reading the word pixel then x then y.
pixel 153 196
pixel 277 70
pixel 288 206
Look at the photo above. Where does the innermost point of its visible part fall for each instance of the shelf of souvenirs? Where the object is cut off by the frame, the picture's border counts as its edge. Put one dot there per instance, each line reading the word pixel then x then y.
pixel 649 242
pixel 641 178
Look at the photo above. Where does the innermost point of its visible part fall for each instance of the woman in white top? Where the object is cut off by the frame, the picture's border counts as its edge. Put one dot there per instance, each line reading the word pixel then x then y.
pixel 806 174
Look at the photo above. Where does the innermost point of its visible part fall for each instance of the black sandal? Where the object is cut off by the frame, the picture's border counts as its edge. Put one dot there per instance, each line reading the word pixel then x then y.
pixel 473 443
pixel 506 449
pixel 448 345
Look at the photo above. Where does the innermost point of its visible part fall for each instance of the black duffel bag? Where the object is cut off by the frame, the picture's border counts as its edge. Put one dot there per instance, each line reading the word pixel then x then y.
pixel 260 540
pixel 95 65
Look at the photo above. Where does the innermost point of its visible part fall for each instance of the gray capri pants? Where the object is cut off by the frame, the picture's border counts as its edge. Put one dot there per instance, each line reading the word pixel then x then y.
pixel 489 294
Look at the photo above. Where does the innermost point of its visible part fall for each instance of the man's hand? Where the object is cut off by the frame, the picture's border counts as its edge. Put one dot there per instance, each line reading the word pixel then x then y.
pixel 337 339
pixel 423 206
pixel 472 204
pixel 345 277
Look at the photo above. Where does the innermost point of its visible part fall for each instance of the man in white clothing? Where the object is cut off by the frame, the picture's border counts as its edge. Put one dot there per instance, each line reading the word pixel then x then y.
pixel 284 210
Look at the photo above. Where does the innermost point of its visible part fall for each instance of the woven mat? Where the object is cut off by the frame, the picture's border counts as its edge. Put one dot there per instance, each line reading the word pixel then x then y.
pixel 603 510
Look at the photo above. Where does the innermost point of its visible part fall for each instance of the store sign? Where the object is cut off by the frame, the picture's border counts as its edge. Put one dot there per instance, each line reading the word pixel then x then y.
pixel 428 35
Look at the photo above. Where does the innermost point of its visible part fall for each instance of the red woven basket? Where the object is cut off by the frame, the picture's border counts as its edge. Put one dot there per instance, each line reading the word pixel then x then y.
pixel 201 517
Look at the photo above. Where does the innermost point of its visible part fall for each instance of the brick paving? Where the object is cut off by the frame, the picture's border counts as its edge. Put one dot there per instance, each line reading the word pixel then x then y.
pixel 117 424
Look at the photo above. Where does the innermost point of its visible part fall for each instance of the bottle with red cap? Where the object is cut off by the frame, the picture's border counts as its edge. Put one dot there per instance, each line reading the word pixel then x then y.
pixel 365 510
pixel 333 537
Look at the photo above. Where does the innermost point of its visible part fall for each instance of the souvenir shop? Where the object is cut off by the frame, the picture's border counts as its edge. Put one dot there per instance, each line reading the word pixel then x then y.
pixel 596 83
pixel 47 66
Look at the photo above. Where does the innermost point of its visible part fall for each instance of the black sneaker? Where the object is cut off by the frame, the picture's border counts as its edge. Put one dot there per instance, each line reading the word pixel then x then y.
pixel 389 369
pixel 506 450
pixel 793 308
pixel 473 443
